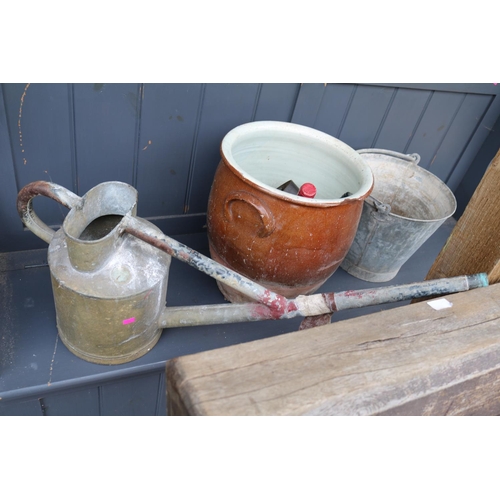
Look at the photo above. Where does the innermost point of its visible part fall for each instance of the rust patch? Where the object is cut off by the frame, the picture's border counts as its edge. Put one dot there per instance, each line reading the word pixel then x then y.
pixel 52 361
pixel 29 192
pixel 277 304
pixel 313 321
pixel 21 104
pixel 330 301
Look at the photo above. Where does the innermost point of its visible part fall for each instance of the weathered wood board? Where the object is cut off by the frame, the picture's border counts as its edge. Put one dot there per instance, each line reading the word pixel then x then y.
pixel 474 245
pixel 411 360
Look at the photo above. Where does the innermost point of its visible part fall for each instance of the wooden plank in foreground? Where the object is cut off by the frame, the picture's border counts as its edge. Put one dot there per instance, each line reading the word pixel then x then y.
pixel 411 360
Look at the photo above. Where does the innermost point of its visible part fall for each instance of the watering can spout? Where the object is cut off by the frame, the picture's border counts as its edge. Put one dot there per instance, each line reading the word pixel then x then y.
pixel 478 280
pixel 317 309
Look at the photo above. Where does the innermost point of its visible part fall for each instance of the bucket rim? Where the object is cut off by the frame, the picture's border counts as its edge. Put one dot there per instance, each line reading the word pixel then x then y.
pixel 423 171
pixel 364 171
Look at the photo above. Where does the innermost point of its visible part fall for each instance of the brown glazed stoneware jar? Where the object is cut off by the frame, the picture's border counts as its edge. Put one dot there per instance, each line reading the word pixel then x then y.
pixel 288 244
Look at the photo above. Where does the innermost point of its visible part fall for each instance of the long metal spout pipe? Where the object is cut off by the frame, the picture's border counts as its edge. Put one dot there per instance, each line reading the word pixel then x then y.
pixel 319 304
pixel 271 305
pixel 372 296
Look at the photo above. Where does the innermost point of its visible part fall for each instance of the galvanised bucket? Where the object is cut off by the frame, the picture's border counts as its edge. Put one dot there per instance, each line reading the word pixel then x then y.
pixel 407 205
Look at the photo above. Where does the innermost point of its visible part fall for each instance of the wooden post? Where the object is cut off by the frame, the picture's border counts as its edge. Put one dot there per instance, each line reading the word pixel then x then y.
pixel 474 244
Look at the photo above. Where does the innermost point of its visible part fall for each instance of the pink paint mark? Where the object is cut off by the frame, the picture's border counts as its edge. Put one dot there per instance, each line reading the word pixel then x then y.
pixel 279 305
pixel 495 84
pixel 128 321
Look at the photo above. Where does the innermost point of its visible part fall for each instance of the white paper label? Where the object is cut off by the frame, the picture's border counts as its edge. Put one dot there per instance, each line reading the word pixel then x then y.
pixel 439 304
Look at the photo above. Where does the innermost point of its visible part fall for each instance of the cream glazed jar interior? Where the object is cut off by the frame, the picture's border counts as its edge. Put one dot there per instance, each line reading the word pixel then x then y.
pixel 269 153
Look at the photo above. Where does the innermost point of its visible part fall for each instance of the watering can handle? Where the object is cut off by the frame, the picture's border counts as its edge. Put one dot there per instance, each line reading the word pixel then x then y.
pixel 50 190
pixel 414 157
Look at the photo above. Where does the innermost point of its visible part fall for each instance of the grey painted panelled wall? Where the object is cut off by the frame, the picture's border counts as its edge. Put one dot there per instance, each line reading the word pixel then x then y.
pixel 164 139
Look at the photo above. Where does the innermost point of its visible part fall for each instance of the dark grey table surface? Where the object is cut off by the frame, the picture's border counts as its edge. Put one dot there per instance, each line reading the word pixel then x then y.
pixel 32 357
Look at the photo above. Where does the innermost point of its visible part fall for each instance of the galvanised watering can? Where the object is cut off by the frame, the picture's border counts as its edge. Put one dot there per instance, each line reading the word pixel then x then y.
pixel 109 271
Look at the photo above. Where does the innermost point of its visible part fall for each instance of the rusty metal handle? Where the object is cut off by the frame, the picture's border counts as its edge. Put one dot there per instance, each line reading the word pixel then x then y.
pixel 267 218
pixel 50 190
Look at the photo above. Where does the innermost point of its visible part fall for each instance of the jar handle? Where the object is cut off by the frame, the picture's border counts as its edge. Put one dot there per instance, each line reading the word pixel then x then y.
pixel 265 214
pixel 50 190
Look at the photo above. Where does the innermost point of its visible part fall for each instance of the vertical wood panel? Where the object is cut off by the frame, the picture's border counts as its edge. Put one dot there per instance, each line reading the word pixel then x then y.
pixel 38 118
pixel 365 116
pixel 106 117
pixel 99 132
pixel 402 119
pixel 82 402
pixel 475 146
pixel 459 134
pixel 161 405
pixel 29 408
pixel 9 220
pixel 225 106
pixel 308 103
pixel 474 174
pixel 168 126
pixel 277 101
pixel 334 107
pixel 434 125
pixel 131 396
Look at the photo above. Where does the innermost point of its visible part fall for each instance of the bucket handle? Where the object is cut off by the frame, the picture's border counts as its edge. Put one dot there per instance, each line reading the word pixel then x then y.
pixel 413 158
pixel 379 206
pixel 266 216
pixel 50 190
